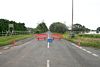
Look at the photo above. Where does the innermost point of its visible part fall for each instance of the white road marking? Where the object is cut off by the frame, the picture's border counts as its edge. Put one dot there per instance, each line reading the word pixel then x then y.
pixel 48 63
pixel 85 50
pixel 74 44
pixel 89 52
pixel 6 47
pixel 95 55
pixel 0 53
pixel 48 45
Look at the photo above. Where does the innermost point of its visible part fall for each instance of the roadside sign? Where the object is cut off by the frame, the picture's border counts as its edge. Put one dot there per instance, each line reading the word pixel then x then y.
pixel 11 25
pixel 50 40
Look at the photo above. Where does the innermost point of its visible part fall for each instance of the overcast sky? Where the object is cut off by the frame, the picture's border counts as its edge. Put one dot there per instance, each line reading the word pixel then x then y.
pixel 32 12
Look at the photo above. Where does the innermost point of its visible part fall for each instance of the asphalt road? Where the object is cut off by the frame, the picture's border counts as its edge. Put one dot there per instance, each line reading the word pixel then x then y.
pixel 60 53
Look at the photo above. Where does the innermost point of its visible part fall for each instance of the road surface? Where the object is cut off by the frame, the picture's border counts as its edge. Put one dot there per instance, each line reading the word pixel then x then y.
pixel 60 53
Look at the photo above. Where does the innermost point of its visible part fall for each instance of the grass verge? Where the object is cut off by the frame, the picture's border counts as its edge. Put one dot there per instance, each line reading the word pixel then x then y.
pixel 5 40
pixel 87 40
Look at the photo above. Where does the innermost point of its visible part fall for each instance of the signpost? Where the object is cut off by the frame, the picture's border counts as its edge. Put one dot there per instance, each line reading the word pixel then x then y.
pixel 11 25
pixel 11 28
pixel 50 40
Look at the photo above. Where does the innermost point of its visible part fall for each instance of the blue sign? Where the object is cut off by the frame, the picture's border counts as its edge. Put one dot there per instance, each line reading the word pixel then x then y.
pixel 50 40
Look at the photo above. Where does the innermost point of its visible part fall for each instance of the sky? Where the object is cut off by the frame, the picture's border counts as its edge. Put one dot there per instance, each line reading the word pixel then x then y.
pixel 33 12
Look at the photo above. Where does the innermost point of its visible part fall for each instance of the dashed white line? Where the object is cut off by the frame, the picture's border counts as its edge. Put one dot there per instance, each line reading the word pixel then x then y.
pixel 74 45
pixel 48 46
pixel 0 53
pixel 89 52
pixel 48 63
pixel 95 55
pixel 85 50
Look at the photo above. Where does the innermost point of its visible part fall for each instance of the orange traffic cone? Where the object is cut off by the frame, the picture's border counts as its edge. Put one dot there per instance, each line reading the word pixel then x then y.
pixel 13 43
pixel 78 43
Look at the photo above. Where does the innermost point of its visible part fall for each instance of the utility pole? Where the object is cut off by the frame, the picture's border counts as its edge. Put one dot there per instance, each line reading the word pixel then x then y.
pixel 72 33
pixel 43 20
pixel 72 14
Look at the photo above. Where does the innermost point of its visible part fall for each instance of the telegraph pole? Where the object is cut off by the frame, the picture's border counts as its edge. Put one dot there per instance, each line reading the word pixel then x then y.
pixel 72 15
pixel 72 33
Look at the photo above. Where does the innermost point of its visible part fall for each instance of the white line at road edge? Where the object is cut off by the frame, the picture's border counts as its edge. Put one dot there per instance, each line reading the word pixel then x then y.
pixel 85 50
pixel 95 55
pixel 48 63
pixel 17 46
pixel 89 52
pixel 0 53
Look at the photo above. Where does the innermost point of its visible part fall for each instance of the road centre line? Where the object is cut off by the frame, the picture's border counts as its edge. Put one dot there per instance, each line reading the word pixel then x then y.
pixel 48 63
pixel 48 46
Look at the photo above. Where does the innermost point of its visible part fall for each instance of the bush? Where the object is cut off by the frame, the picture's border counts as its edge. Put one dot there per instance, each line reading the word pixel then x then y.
pixel 90 35
pixel 58 27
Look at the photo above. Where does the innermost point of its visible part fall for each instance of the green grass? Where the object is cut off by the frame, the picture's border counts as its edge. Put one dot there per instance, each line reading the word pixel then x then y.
pixel 5 40
pixel 90 35
pixel 87 40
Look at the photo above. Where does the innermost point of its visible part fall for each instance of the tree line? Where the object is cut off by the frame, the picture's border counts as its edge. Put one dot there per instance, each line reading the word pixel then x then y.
pixel 98 30
pixel 56 27
pixel 4 25
pixel 78 28
pixel 62 28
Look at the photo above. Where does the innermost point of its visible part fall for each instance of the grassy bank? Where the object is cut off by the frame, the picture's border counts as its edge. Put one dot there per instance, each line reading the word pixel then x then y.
pixel 5 40
pixel 88 40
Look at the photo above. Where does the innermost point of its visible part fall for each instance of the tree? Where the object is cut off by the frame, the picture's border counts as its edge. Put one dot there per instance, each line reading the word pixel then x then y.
pixel 98 30
pixel 41 28
pixel 78 28
pixel 58 27
pixel 4 25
